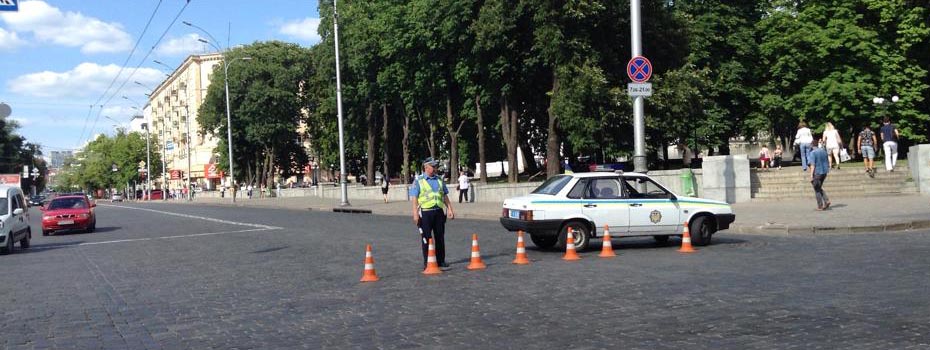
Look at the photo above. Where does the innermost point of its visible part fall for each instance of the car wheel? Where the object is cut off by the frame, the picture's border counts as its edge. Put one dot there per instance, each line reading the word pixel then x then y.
pixel 543 242
pixel 91 228
pixel 701 231
pixel 46 232
pixel 8 248
pixel 663 239
pixel 24 243
pixel 580 235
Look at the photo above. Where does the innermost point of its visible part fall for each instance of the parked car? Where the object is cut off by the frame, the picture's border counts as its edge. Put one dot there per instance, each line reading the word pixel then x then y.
pixel 68 213
pixel 632 204
pixel 116 197
pixel 14 219
pixel 36 201
pixel 156 194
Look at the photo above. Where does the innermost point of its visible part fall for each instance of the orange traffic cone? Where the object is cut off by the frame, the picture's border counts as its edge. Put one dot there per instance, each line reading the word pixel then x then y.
pixel 521 258
pixel 432 267
pixel 476 263
pixel 686 241
pixel 369 275
pixel 607 249
pixel 570 253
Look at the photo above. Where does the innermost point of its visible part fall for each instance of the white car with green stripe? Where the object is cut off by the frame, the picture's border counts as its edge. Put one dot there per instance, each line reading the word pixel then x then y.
pixel 630 204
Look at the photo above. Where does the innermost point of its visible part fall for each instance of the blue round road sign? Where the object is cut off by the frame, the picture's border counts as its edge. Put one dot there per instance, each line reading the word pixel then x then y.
pixel 639 69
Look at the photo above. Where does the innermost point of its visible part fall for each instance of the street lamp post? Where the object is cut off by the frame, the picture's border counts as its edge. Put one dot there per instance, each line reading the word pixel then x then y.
pixel 226 64
pixel 148 164
pixel 342 150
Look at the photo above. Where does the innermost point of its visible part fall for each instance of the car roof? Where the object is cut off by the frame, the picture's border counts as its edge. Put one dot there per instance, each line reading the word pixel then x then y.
pixel 605 173
pixel 68 196
pixel 5 188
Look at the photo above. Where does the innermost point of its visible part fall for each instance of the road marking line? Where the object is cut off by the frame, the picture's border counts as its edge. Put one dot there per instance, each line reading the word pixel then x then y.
pixel 267 227
pixel 148 238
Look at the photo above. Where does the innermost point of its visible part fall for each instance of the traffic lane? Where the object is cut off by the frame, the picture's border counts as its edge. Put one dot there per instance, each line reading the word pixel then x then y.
pixel 745 292
pixel 116 223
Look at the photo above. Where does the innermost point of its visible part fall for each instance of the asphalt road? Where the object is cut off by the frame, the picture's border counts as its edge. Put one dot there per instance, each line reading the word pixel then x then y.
pixel 158 276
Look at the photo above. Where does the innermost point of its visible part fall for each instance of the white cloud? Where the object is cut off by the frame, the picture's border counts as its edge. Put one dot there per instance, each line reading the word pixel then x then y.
pixel 72 29
pixel 184 45
pixel 9 40
pixel 85 80
pixel 303 29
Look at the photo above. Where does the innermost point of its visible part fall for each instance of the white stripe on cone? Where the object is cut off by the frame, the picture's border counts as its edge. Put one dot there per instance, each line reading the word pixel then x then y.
pixel 369 266
pixel 521 250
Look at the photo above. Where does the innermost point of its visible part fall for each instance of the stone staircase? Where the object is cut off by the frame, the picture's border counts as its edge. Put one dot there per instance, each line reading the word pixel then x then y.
pixel 791 182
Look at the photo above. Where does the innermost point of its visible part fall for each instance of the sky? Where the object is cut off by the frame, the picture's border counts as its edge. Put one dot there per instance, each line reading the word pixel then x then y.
pixel 66 65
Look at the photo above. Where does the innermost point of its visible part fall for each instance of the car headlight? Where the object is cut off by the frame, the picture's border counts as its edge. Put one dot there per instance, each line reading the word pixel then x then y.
pixel 85 216
pixel 45 218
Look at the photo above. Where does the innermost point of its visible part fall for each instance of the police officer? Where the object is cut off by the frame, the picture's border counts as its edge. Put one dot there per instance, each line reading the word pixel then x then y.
pixel 431 209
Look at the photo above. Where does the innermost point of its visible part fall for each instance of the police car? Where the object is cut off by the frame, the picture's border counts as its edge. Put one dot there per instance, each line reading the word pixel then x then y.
pixel 631 204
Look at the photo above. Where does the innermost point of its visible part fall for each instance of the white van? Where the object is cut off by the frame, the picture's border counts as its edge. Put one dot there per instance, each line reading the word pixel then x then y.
pixel 14 219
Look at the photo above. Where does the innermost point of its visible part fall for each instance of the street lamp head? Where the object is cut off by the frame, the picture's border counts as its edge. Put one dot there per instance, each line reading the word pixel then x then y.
pixel 203 40
pixel 894 99
pixel 878 100
pixel 187 23
pixel 246 58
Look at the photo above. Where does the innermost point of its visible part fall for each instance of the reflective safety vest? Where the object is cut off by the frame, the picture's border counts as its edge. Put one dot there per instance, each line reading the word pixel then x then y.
pixel 428 198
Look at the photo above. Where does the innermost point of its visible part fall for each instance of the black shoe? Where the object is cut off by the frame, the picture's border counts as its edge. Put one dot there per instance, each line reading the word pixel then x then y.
pixel 443 265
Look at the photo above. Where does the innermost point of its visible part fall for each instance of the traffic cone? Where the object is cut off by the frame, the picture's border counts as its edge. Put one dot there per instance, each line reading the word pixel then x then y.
pixel 570 253
pixel 369 275
pixel 686 241
pixel 432 267
pixel 607 249
pixel 521 258
pixel 476 263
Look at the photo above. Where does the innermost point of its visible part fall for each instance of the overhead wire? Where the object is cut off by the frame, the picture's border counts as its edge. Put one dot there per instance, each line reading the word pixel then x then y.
pixel 143 60
pixel 125 62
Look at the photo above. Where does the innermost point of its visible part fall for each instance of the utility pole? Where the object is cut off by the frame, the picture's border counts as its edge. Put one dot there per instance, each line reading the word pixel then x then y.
pixel 342 151
pixel 639 125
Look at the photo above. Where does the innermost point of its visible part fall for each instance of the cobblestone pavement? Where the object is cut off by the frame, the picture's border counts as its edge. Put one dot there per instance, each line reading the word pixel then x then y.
pixel 262 278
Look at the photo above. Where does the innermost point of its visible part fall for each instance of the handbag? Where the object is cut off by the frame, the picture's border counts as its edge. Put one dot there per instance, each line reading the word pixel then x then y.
pixel 844 155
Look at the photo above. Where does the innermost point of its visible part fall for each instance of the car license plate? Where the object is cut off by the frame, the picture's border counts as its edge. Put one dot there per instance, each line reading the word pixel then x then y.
pixel 66 222
pixel 514 214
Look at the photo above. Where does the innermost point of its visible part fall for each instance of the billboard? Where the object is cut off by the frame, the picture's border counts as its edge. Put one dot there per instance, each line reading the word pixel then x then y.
pixel 10 179
pixel 210 171
pixel 176 174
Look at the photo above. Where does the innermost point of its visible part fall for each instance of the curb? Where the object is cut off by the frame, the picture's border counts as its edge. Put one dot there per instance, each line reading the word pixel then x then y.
pixel 772 229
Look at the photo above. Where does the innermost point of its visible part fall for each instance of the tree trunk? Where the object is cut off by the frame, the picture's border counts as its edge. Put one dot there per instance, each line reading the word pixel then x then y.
pixel 405 169
pixel 370 150
pixel 552 141
pixel 514 175
pixel 385 169
pixel 506 125
pixel 453 141
pixel 482 160
pixel 528 158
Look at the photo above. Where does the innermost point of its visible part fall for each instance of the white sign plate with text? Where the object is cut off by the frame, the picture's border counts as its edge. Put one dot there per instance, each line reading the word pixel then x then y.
pixel 639 89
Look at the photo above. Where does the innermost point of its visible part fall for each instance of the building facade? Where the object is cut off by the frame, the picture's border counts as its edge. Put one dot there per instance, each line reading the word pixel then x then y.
pixel 172 111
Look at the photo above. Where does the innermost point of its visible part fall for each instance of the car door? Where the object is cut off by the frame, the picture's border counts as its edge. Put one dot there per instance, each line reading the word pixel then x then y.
pixel 21 221
pixel 653 209
pixel 603 201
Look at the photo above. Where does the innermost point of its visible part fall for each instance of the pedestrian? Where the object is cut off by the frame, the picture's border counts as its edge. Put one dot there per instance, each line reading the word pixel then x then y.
pixel 248 191
pixel 464 184
pixel 776 157
pixel 867 142
pixel 834 142
pixel 431 210
pixel 764 157
pixel 819 166
pixel 223 192
pixel 686 154
pixel 385 184
pixel 803 139
pixel 889 143
pixel 277 189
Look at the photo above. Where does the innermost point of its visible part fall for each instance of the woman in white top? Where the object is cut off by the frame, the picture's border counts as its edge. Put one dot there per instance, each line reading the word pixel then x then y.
pixel 803 139
pixel 833 141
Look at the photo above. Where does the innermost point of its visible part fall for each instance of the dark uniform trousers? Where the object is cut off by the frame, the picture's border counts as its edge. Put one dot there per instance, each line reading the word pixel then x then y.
pixel 433 225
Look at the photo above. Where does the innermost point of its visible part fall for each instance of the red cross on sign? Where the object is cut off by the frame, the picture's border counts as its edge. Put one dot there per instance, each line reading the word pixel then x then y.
pixel 639 69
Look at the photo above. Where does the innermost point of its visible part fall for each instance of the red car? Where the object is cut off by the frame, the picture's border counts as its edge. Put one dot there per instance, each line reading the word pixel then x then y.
pixel 156 194
pixel 68 213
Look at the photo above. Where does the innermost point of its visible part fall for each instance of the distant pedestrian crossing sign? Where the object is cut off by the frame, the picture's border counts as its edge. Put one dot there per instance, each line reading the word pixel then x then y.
pixel 9 5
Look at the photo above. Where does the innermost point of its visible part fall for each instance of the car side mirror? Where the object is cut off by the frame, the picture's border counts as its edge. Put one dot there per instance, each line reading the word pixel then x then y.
pixel 42 208
pixel 18 211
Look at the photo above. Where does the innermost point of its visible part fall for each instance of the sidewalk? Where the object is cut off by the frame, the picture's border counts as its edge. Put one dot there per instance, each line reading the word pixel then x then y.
pixel 793 216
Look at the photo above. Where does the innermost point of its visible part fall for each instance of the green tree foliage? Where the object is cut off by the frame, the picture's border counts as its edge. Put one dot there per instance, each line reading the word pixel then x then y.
pixel 109 162
pixel 265 103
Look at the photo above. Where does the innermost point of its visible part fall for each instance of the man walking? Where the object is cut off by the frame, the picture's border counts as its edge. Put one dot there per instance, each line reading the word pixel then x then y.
pixel 464 183
pixel 431 209
pixel 867 142
pixel 890 143
pixel 819 166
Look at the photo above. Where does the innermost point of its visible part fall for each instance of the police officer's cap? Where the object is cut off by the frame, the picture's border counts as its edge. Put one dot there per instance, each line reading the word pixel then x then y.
pixel 432 162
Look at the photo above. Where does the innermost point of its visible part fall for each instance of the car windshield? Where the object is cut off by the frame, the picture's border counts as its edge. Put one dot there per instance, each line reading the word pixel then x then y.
pixel 3 206
pixel 68 203
pixel 553 185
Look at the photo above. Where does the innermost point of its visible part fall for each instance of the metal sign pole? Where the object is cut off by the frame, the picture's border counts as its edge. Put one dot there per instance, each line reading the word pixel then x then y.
pixel 342 150
pixel 639 125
